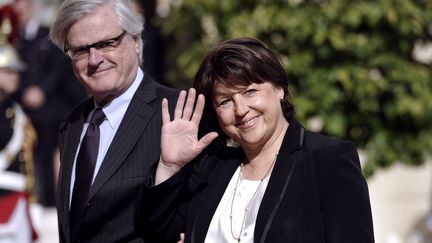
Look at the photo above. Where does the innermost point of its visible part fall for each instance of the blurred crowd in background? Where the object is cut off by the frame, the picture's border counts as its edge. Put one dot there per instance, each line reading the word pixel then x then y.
pixel 37 90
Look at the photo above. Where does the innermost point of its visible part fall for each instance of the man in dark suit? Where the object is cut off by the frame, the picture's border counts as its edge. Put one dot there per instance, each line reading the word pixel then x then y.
pixel 103 40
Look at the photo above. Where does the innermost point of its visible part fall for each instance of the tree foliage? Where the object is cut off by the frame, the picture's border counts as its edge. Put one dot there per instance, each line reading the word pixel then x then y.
pixel 350 64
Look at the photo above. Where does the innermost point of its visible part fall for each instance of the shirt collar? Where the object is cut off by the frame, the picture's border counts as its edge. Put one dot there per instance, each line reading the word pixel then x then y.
pixel 115 110
pixel 31 29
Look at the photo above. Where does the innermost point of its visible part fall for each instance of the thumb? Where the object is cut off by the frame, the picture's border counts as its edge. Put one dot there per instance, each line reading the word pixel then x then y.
pixel 207 140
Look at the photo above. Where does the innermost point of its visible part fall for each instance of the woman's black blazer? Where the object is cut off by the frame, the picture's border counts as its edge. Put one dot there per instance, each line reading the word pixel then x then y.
pixel 316 194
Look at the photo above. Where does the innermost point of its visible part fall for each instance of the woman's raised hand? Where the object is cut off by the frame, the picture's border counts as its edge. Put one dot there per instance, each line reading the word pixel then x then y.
pixel 179 137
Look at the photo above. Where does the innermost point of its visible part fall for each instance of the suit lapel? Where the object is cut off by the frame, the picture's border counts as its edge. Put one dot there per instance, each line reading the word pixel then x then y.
pixel 289 156
pixel 138 114
pixel 71 140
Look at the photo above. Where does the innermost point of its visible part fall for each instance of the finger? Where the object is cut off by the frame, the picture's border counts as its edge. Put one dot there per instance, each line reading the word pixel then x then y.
pixel 206 140
pixel 179 106
pixel 199 107
pixel 189 107
pixel 165 113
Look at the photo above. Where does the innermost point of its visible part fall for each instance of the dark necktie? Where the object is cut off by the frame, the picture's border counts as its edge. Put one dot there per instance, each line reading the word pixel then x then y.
pixel 85 165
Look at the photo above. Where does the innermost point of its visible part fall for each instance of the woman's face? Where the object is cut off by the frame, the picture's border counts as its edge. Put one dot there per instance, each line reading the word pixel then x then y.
pixel 251 115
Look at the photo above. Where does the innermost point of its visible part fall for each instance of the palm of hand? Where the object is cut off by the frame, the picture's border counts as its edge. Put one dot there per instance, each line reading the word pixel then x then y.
pixel 179 138
pixel 179 142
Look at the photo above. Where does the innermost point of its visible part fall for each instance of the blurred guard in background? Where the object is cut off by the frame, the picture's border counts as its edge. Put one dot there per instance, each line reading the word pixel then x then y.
pixel 17 137
pixel 154 46
pixel 48 91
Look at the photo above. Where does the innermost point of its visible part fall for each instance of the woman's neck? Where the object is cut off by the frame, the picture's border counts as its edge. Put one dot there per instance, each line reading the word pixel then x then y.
pixel 259 160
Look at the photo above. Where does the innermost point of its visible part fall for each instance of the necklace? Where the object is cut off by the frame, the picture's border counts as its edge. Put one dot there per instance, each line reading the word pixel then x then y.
pixel 238 238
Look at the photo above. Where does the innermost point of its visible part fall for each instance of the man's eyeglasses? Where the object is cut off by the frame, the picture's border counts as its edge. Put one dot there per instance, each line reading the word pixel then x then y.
pixel 82 52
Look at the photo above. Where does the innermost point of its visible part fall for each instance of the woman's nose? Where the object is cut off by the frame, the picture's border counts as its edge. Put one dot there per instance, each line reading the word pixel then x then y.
pixel 240 107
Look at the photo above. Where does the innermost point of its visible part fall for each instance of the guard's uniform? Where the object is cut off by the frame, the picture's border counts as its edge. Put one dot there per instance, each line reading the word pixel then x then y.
pixel 16 174
pixel 17 138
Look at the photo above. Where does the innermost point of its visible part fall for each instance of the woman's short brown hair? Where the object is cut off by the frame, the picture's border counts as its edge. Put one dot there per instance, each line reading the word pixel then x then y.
pixel 240 62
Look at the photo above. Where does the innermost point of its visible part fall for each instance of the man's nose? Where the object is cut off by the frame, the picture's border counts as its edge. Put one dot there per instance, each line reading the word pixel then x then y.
pixel 94 56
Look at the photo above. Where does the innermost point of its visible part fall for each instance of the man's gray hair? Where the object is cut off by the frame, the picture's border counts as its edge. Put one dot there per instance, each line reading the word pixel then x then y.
pixel 71 11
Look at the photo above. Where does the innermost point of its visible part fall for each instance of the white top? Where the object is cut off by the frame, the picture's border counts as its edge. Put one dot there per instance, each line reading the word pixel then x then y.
pixel 114 112
pixel 221 230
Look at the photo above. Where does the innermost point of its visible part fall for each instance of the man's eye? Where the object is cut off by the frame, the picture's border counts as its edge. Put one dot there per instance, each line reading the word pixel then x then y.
pixel 106 44
pixel 80 51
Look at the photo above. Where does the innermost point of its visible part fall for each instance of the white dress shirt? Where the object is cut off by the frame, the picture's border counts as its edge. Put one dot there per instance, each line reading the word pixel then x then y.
pixel 114 112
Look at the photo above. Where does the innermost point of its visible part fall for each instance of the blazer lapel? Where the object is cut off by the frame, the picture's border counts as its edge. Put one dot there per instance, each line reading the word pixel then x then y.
pixel 209 201
pixel 289 156
pixel 135 120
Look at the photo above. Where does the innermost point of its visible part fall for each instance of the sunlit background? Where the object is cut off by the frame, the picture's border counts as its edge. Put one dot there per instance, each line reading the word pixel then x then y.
pixel 359 70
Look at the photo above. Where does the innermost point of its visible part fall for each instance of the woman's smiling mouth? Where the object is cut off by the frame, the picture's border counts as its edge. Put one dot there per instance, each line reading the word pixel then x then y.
pixel 247 123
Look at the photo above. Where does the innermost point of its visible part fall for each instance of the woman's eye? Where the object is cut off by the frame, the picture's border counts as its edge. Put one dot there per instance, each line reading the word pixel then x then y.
pixel 223 103
pixel 250 91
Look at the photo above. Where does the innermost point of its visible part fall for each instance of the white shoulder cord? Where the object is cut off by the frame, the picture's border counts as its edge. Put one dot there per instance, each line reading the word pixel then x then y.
pixel 11 180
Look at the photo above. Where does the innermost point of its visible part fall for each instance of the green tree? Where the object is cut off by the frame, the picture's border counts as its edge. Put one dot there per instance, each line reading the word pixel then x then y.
pixel 350 64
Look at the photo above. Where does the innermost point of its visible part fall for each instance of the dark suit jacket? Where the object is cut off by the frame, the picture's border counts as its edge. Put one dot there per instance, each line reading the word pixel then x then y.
pixel 109 214
pixel 316 194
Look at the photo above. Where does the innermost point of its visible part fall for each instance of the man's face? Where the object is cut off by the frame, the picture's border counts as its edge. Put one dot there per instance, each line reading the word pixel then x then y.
pixel 105 73
pixel 24 9
pixel 9 81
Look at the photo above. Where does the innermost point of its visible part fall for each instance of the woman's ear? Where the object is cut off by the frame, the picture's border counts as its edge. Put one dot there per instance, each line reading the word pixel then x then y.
pixel 281 94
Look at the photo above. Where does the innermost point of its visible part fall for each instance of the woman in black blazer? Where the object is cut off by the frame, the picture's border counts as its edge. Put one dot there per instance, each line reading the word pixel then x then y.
pixel 282 184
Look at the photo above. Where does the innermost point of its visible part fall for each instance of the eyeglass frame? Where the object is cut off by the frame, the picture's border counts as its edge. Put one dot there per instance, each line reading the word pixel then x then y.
pixel 97 45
